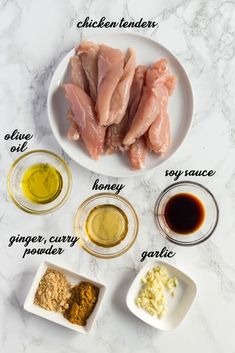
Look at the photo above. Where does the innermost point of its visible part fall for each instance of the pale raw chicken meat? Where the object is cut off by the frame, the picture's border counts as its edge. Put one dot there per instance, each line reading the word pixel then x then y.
pixel 116 133
pixel 170 83
pixel 73 132
pixel 165 75
pixel 137 153
pixel 121 94
pixel 138 150
pixel 161 66
pixel 158 135
pixel 158 138
pixel 78 77
pixel 148 109
pixel 84 116
pixel 110 70
pixel 136 90
pixel 88 52
pixel 77 73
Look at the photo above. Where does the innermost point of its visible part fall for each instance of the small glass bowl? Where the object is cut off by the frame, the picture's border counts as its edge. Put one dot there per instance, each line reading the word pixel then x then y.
pixel 17 170
pixel 211 213
pixel 82 214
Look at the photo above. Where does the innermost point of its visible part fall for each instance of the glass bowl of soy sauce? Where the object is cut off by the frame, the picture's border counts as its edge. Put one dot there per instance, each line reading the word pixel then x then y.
pixel 186 213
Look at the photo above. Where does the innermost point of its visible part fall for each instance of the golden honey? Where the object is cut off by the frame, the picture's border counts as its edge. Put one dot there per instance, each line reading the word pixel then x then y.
pixel 106 225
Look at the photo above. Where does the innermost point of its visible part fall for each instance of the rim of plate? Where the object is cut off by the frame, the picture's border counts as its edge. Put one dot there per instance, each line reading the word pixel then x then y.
pixel 144 170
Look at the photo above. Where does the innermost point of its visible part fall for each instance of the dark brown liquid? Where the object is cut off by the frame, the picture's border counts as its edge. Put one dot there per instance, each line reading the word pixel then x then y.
pixel 184 213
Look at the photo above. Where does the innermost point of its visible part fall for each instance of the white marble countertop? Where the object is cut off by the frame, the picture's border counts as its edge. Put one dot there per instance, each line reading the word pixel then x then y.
pixel 35 35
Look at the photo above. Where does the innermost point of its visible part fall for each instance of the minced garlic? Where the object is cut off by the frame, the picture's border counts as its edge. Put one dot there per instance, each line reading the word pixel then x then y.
pixel 152 293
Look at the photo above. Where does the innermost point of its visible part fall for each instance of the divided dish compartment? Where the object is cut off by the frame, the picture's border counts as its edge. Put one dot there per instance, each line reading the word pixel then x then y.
pixel 178 306
pixel 58 318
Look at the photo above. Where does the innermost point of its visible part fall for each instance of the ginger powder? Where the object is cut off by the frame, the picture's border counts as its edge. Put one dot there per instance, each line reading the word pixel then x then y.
pixel 53 291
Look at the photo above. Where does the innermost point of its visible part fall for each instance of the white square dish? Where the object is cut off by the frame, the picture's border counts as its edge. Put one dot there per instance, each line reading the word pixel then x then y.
pixel 58 318
pixel 178 306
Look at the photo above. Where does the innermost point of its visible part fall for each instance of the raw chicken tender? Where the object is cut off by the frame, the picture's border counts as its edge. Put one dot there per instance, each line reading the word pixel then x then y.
pixel 121 94
pixel 158 135
pixel 78 78
pixel 77 73
pixel 110 70
pixel 88 52
pixel 162 70
pixel 73 132
pixel 116 133
pixel 136 90
pixel 137 153
pixel 148 109
pixel 138 150
pixel 84 116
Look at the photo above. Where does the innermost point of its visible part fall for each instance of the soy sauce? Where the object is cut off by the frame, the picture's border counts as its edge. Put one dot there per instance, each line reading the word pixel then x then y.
pixel 184 213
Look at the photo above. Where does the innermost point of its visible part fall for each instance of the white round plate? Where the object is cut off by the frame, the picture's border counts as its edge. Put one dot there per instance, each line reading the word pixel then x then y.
pixel 180 106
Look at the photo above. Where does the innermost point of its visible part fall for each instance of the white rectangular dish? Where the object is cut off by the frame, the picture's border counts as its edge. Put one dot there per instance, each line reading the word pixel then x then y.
pixel 58 318
pixel 178 306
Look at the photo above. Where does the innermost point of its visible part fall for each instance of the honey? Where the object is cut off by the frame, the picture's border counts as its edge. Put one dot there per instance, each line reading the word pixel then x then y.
pixel 106 225
pixel 41 183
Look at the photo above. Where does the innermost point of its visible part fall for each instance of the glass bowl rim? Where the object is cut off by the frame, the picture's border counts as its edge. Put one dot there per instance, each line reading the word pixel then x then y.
pixel 14 165
pixel 183 183
pixel 117 197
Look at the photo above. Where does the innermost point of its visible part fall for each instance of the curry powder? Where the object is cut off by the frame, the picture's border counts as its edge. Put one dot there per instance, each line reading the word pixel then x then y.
pixel 83 299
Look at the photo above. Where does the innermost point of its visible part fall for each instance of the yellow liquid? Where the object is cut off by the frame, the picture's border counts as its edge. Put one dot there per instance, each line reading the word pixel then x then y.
pixel 106 225
pixel 41 183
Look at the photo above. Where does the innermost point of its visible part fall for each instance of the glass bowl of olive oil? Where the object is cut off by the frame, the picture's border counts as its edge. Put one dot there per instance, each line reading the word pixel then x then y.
pixel 107 225
pixel 39 182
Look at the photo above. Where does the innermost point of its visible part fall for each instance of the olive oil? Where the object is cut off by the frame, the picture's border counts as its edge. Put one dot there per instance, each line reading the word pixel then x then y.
pixel 41 183
pixel 106 225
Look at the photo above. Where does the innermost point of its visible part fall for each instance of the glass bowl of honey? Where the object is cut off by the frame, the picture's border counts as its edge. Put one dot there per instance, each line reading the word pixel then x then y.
pixel 39 182
pixel 107 225
pixel 186 213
